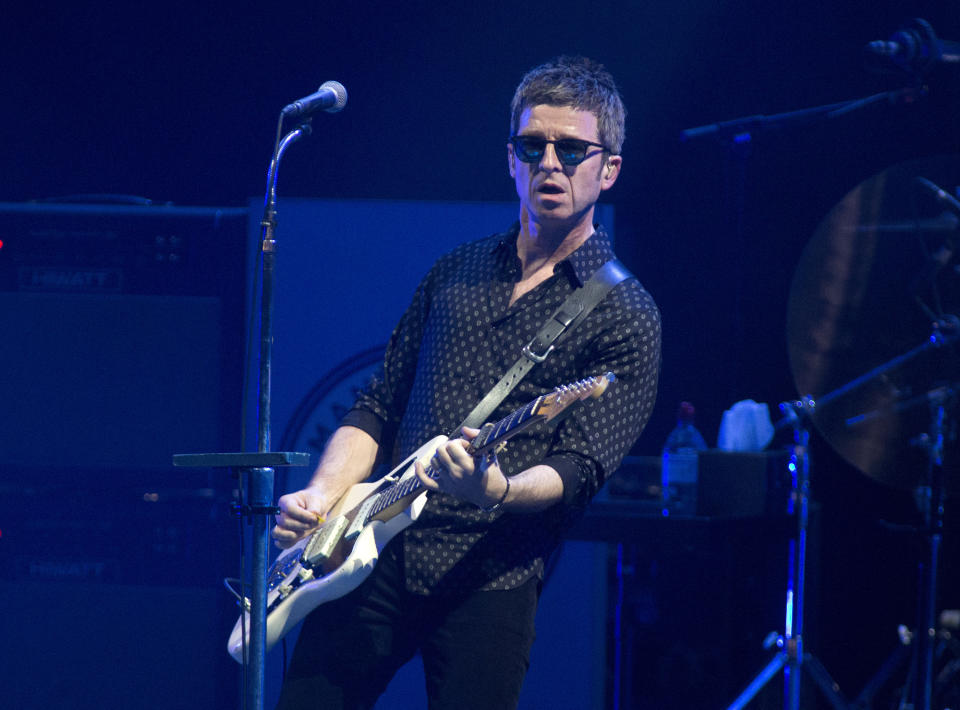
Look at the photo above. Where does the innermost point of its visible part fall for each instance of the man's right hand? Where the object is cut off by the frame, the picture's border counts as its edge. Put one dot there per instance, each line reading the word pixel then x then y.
pixel 347 459
pixel 300 514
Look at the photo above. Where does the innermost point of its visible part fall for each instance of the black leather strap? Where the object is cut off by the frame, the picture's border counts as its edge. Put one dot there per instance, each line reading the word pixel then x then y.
pixel 573 310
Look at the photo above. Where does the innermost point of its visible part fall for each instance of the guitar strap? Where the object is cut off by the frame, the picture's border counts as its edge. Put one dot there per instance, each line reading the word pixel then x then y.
pixel 573 310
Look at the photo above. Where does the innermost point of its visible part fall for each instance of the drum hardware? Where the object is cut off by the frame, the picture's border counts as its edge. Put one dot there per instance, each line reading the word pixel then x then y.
pixel 872 293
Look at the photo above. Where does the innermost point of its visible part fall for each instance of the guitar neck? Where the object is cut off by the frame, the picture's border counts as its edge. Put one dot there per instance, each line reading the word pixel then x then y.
pixel 508 426
pixel 399 495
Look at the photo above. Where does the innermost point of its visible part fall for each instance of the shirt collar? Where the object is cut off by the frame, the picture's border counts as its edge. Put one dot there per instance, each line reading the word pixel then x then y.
pixel 580 265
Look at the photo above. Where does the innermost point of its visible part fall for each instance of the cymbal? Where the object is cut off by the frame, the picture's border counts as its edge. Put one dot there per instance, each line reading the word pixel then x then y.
pixel 880 272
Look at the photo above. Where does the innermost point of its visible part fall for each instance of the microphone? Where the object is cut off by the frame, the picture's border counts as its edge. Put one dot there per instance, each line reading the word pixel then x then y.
pixel 330 97
pixel 914 48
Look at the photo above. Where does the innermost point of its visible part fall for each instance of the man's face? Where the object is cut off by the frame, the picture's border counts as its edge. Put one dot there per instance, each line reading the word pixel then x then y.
pixel 551 193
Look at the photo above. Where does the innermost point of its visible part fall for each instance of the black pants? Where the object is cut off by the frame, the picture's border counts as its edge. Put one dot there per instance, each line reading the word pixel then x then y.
pixel 475 647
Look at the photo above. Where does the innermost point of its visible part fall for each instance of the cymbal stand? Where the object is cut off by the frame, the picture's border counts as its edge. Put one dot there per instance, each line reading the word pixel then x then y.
pixel 930 501
pixel 917 693
pixel 791 657
pixel 929 497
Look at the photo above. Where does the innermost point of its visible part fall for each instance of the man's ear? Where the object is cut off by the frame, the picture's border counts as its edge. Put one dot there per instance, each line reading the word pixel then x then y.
pixel 511 161
pixel 610 172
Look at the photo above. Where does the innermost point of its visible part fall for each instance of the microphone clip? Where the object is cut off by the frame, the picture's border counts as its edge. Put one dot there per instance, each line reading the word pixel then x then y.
pixel 914 49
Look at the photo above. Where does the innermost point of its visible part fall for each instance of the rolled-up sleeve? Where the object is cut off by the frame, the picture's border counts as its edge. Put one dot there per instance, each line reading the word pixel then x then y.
pixel 589 445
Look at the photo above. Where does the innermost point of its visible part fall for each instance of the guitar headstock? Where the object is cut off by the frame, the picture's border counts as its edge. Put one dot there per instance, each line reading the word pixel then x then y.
pixel 564 396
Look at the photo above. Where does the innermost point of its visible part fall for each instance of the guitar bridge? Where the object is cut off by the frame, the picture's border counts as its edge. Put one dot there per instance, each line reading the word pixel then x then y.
pixel 324 542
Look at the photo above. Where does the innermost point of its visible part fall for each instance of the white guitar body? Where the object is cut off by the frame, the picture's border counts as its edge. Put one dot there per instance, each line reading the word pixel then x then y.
pixel 334 559
pixel 293 591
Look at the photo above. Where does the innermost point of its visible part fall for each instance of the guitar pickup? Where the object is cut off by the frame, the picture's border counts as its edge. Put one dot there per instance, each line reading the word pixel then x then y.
pixel 360 519
pixel 324 542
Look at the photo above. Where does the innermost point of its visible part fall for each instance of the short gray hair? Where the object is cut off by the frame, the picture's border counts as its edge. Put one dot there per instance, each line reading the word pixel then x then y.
pixel 580 83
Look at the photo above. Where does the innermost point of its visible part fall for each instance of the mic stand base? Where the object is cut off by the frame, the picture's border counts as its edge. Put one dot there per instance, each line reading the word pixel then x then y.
pixel 793 667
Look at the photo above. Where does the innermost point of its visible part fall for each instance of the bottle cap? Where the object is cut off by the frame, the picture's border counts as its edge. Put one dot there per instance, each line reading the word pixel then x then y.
pixel 686 412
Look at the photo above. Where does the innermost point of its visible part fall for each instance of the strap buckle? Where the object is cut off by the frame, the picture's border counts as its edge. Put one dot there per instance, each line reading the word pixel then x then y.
pixel 532 356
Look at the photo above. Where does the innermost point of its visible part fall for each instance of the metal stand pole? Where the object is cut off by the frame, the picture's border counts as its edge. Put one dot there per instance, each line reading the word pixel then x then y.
pixel 260 480
pixel 918 691
pixel 921 645
pixel 260 493
pixel 792 658
pixel 259 467
pixel 931 503
pixel 796 585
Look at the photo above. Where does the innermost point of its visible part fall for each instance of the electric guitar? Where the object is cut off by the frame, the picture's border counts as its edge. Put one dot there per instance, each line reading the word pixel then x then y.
pixel 335 558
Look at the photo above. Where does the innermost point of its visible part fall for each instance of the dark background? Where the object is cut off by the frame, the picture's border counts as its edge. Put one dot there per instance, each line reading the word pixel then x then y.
pixel 177 103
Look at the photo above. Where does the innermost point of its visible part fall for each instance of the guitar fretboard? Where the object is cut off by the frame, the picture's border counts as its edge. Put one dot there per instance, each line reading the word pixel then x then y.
pixel 488 437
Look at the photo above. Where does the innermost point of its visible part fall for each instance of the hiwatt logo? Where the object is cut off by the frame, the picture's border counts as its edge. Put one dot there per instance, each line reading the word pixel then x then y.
pixel 38 278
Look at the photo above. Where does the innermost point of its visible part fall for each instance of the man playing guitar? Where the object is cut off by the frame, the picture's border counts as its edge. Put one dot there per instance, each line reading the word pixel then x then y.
pixel 461 583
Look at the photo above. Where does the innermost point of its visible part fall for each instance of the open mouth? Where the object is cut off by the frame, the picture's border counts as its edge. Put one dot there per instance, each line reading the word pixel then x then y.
pixel 549 189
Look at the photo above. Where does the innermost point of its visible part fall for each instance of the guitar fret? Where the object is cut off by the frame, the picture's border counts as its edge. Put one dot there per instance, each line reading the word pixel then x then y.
pixel 526 412
pixel 519 416
pixel 505 425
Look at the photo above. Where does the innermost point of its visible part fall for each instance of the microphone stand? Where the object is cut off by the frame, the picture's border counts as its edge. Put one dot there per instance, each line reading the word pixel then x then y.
pixel 259 467
pixel 737 136
pixel 261 479
pixel 740 130
pixel 268 250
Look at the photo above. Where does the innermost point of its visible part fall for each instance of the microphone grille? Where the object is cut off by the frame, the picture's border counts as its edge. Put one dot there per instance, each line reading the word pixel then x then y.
pixel 341 93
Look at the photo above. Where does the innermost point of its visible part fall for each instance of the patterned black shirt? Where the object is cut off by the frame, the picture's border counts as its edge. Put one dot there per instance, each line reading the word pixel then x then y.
pixel 454 342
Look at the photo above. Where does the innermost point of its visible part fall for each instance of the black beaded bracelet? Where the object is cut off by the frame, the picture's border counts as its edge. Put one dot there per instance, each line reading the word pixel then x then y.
pixel 499 504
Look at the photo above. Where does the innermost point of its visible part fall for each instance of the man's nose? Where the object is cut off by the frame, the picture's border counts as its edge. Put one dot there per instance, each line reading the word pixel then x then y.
pixel 550 159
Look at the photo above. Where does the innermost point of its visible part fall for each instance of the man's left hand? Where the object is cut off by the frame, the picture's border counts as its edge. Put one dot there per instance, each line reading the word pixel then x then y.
pixel 475 480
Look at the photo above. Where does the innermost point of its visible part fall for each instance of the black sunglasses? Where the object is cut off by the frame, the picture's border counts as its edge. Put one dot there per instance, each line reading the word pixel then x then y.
pixel 570 151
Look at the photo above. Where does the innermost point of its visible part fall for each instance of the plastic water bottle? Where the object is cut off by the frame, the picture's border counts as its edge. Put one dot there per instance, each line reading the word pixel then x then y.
pixel 678 478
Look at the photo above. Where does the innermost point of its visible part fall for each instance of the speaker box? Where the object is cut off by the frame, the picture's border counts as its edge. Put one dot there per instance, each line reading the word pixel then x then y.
pixel 104 647
pixel 123 334
pixel 122 345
